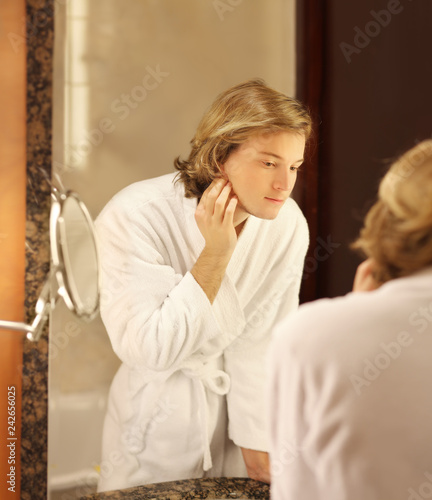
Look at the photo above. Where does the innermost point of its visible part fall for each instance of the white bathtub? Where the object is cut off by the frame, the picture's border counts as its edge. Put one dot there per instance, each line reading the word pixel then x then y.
pixel 74 439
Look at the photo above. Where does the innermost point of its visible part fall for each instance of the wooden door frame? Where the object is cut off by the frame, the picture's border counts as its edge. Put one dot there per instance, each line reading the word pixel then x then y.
pixel 310 38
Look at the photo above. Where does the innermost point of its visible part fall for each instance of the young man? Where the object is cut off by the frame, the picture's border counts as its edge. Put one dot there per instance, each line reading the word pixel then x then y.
pixel 196 270
pixel 350 403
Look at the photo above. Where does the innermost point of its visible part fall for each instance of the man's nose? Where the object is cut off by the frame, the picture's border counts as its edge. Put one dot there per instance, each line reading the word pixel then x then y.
pixel 285 179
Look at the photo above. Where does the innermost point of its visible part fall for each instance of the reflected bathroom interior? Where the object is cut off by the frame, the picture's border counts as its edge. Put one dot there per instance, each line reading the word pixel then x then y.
pixel 110 131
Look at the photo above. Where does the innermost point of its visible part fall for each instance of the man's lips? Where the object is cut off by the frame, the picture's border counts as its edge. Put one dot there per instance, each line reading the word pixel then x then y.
pixel 275 200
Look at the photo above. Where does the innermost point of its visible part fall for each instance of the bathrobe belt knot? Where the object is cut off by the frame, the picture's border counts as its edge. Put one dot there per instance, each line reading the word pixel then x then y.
pixel 202 375
pixel 206 376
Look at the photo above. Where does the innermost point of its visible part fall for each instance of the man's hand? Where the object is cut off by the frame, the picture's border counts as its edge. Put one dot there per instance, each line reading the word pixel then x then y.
pixel 215 219
pixel 364 280
pixel 257 464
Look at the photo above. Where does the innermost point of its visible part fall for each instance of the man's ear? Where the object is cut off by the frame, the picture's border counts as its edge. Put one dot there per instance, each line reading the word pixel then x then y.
pixel 222 174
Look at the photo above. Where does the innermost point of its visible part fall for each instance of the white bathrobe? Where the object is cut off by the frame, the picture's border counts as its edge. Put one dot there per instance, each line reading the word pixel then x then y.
pixel 351 396
pixel 192 379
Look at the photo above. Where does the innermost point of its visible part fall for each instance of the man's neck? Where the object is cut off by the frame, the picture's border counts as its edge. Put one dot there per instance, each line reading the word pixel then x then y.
pixel 240 218
pixel 239 228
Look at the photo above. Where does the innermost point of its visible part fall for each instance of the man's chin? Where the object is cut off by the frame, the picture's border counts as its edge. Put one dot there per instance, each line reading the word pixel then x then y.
pixel 261 214
pixel 264 215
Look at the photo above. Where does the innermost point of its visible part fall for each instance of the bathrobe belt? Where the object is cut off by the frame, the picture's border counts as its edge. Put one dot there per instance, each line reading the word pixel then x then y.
pixel 206 376
pixel 203 375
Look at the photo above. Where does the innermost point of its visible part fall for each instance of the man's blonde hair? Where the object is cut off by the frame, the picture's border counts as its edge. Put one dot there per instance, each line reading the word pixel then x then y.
pixel 238 113
pixel 397 232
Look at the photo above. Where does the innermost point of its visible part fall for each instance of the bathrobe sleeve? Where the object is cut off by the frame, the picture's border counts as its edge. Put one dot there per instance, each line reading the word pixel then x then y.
pixel 155 317
pixel 245 359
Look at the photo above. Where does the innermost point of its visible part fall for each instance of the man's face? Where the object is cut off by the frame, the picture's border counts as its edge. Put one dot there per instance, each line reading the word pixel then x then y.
pixel 263 172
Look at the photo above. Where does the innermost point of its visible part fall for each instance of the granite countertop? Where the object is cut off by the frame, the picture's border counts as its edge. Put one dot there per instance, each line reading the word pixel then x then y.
pixel 212 488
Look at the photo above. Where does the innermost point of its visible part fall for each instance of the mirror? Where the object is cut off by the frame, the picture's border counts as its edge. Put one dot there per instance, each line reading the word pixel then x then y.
pixel 73 254
pixel 131 81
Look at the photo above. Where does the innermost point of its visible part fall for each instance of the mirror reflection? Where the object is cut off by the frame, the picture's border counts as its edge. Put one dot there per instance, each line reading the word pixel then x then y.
pixel 132 82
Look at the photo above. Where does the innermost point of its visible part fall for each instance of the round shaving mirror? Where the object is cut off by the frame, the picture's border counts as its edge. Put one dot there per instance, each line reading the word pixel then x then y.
pixel 74 268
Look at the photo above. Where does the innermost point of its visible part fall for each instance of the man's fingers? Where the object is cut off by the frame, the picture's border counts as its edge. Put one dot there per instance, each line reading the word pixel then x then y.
pixel 210 192
pixel 230 210
pixel 221 201
pixel 216 186
pixel 216 197
pixel 215 216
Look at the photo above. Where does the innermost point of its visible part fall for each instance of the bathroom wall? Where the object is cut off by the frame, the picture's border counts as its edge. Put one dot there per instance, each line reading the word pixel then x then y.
pixel 12 239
